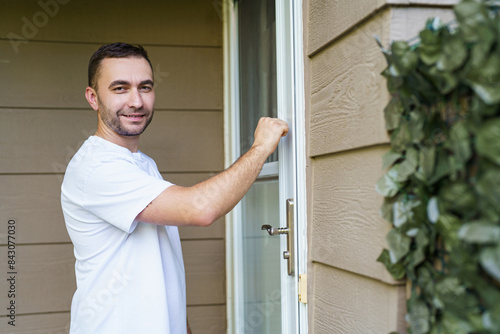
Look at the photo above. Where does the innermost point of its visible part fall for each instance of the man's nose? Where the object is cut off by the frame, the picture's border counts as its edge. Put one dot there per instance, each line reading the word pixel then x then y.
pixel 135 99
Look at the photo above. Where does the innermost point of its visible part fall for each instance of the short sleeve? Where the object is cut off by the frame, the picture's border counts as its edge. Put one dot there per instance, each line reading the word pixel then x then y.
pixel 118 191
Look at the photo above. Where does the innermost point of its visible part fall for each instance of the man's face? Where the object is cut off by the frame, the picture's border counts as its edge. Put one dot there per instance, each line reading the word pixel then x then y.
pixel 125 95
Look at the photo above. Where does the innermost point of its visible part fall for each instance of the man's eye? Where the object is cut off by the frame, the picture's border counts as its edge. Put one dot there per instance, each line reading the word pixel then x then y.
pixel 119 89
pixel 146 88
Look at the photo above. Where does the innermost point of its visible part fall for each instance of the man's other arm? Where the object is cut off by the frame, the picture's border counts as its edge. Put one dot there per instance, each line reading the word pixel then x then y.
pixel 205 202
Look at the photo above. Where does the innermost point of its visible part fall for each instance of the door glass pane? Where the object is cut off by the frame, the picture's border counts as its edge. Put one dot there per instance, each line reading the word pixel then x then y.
pixel 261 260
pixel 257 66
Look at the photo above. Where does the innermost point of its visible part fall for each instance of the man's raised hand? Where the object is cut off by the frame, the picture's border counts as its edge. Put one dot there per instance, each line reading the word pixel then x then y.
pixel 268 133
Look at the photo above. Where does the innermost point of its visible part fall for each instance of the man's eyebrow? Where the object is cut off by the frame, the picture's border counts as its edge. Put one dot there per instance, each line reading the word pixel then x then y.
pixel 118 82
pixel 147 82
pixel 124 82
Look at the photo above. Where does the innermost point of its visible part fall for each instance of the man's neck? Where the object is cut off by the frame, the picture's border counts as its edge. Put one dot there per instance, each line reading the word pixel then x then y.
pixel 129 142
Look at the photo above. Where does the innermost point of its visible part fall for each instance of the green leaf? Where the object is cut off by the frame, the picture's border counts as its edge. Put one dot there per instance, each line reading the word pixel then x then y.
pixel 488 187
pixel 470 14
pixel 490 261
pixel 417 257
pixel 386 209
pixel 491 319
pixel 453 54
pixel 401 137
pixel 396 270
pixel 399 245
pixel 449 290
pixel 419 317
pixel 416 124
pixel 427 161
pixel 481 49
pixel 392 113
pixel 488 140
pixel 429 50
pixel 432 210
pixel 389 158
pixel 480 232
pixel 457 197
pixel 445 82
pixel 408 166
pixel 455 325
pixel 485 80
pixel 405 59
pixel 460 142
pixel 448 226
pixel 403 211
pixel 387 184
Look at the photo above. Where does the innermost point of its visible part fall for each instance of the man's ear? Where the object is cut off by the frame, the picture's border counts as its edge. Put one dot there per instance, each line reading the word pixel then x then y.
pixel 91 96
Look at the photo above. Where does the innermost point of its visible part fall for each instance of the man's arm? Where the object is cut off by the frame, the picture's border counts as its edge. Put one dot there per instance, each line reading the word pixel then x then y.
pixel 205 202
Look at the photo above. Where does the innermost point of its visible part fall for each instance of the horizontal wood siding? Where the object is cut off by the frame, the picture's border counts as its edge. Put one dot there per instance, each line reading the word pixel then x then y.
pixel 347 90
pixel 349 292
pixel 44 51
pixel 346 226
pixel 349 303
pixel 186 77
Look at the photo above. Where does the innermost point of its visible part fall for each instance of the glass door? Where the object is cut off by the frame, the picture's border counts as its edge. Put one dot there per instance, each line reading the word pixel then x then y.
pixel 262 293
pixel 260 301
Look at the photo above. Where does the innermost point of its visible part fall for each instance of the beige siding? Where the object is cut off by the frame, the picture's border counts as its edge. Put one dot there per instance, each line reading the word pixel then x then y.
pixel 45 119
pixel 346 212
pixel 349 292
pixel 349 303
pixel 198 88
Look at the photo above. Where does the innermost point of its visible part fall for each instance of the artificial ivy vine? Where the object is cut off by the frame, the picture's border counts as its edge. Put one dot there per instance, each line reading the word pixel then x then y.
pixel 442 186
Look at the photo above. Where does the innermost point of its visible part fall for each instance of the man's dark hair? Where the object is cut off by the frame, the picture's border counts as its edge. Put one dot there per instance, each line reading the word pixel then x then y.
pixel 115 50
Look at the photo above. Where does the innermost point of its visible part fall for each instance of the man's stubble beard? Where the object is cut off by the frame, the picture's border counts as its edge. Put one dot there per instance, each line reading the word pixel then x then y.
pixel 112 120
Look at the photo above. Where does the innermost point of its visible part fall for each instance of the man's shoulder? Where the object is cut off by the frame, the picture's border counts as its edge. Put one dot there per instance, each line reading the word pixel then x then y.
pixel 93 154
pixel 96 150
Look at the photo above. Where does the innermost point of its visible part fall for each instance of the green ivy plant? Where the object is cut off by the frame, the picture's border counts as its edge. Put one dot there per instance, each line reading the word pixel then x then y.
pixel 442 185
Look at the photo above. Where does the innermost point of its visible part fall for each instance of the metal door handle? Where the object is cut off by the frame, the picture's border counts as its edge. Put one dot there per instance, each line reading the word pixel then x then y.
pixel 289 253
pixel 275 230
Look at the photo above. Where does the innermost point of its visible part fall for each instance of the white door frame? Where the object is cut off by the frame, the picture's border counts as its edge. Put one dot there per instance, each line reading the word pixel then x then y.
pixel 291 108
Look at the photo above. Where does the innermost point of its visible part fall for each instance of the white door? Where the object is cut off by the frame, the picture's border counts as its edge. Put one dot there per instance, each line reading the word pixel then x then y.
pixel 264 77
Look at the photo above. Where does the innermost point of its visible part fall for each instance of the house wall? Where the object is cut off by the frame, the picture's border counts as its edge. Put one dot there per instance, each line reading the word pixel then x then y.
pixel 349 292
pixel 44 118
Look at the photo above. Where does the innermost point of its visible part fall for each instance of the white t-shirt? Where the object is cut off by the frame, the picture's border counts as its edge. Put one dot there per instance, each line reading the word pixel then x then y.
pixel 130 275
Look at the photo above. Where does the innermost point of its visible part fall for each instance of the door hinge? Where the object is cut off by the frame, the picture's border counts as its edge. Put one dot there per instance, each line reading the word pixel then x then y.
pixel 303 288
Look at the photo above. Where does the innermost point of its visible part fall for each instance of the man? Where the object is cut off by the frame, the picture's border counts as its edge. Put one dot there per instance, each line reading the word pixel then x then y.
pixel 122 217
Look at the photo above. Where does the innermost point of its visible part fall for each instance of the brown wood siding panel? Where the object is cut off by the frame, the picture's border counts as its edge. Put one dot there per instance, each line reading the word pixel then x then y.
pixel 52 75
pixel 348 94
pixel 186 141
pixel 207 319
pixel 348 303
pixel 205 271
pixel 52 323
pixel 329 19
pixel 33 201
pixel 45 280
pixel 44 141
pixel 46 118
pixel 194 22
pixel 347 229
pixel 210 319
